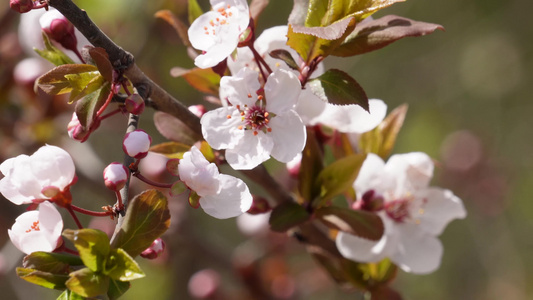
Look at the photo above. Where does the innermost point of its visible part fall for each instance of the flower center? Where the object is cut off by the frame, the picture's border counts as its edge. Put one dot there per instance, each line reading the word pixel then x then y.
pixel 256 117
pixel 398 210
pixel 34 227
pixel 224 13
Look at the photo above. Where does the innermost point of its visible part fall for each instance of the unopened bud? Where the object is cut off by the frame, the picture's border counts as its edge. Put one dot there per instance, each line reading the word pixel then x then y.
pixel 137 143
pixel 259 206
pixel 134 104
pixel 21 6
pixel 115 176
pixel 152 252
pixel 59 29
pixel 76 131
pixel 198 110
pixel 293 166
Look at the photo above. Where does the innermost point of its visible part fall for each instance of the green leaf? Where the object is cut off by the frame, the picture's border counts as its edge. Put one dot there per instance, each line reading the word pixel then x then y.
pixel 314 42
pixel 53 54
pixel 83 84
pixel 381 140
pixel 194 199
pixel 54 81
pixel 117 288
pixel 285 56
pixel 376 34
pixel 88 106
pixel 44 279
pixel 337 87
pixel 87 283
pixel 147 218
pixel 171 149
pixel 203 80
pixel 101 59
pixel 178 188
pixel 120 266
pixel 357 222
pixel 287 215
pixel 194 10
pixel 51 262
pixel 70 295
pixel 381 272
pixel 311 165
pixel 173 129
pixel 93 246
pixel 338 177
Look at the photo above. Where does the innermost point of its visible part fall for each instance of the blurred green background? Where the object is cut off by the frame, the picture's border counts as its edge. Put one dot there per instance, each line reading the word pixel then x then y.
pixel 469 108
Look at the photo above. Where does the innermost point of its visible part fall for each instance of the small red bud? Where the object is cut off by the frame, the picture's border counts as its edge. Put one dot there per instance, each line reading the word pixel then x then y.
pixel 21 6
pixel 152 252
pixel 59 29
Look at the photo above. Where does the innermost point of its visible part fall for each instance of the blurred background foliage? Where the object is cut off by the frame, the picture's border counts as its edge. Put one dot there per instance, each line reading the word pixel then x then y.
pixel 467 90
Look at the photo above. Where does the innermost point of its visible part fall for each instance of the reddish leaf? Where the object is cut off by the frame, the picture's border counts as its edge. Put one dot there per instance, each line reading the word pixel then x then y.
pixel 357 222
pixel 101 59
pixel 177 24
pixel 337 87
pixel 173 129
pixel 204 80
pixel 286 216
pixel 378 33
pixel 54 81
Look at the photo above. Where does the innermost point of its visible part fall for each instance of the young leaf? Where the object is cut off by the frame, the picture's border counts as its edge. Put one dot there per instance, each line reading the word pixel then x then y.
pixel 381 272
pixel 44 279
pixel 120 266
pixel 117 288
pixel 101 59
pixel 285 56
pixel 83 84
pixel 170 149
pixel 357 222
pixel 173 129
pixel 337 87
pixel 359 9
pixel 55 263
pixel 88 106
pixel 70 295
pixel 312 42
pixel 204 80
pixel 338 177
pixel 286 216
pixel 93 246
pixel 54 81
pixel 147 218
pixel 194 10
pixel 52 54
pixel 381 32
pixel 311 165
pixel 87 283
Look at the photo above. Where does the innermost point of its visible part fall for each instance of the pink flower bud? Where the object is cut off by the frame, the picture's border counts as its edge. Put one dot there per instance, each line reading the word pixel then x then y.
pixel 59 29
pixel 134 104
pixel 76 131
pixel 152 252
pixel 21 6
pixel 293 166
pixel 198 110
pixel 137 143
pixel 115 176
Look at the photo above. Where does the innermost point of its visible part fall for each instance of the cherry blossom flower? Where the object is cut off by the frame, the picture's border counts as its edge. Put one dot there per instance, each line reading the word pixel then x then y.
pixel 37 230
pixel 413 213
pixel 137 143
pixel 222 196
pixel 217 32
pixel 256 126
pixel 115 176
pixel 27 177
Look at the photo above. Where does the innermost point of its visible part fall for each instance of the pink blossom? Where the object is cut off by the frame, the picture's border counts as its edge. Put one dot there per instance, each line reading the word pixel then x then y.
pixel 137 143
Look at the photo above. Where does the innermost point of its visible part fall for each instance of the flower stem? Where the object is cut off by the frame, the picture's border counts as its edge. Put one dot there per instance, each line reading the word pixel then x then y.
pixel 152 183
pixel 90 212
pixel 107 101
pixel 111 113
pixel 71 211
pixel 260 62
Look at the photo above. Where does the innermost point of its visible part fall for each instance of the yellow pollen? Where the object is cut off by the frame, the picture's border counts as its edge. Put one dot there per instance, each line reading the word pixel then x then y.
pixel 205 27
pixel 223 22
pixel 249 95
pixel 242 113
pixel 238 107
pixel 278 64
pixel 230 14
pixel 240 127
pixel 260 97
pixel 266 114
pixel 256 133
pixel 212 23
pixel 421 211
pixel 269 129
pixel 228 116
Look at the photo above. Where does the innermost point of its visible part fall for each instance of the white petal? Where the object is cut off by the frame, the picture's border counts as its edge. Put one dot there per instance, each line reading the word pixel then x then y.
pixel 19 184
pixel 363 250
pixel 233 199
pixel 372 176
pixel 413 171
pixel 353 118
pixel 250 152
pixel 51 223
pixel 52 166
pixel 282 90
pixel 220 131
pixel 197 36
pixel 236 89
pixel 271 39
pixel 289 135
pixel 243 59
pixel 418 253
pixel 435 208
pixel 309 107
pixel 198 174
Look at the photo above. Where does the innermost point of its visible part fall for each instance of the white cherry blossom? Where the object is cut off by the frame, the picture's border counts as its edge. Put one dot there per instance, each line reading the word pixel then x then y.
pixel 222 196
pixel 217 32
pixel 256 126
pixel 413 213
pixel 37 230
pixel 25 176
